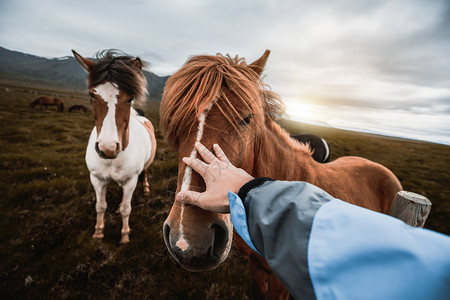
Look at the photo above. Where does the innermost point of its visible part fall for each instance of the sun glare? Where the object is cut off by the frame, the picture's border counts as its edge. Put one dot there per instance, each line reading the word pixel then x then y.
pixel 298 111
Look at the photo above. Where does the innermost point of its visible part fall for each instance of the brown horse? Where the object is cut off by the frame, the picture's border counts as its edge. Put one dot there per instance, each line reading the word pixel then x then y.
pixel 47 101
pixel 219 99
pixel 78 108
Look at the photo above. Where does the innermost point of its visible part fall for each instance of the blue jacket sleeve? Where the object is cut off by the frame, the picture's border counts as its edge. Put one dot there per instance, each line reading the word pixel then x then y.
pixel 321 247
pixel 279 220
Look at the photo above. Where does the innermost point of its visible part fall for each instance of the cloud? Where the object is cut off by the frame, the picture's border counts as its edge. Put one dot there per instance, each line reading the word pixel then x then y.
pixel 375 54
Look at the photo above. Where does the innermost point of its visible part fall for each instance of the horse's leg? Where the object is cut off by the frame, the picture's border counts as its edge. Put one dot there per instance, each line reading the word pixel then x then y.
pixel 100 206
pixel 146 185
pixel 125 208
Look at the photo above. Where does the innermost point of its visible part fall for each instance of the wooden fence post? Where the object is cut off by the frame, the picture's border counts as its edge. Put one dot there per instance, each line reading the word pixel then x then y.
pixel 411 208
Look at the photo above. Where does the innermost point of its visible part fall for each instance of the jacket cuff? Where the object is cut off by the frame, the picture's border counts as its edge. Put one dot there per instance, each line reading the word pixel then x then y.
pixel 239 219
pixel 246 188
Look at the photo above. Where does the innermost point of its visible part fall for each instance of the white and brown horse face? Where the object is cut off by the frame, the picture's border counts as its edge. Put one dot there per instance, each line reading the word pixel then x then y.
pixel 111 108
pixel 111 105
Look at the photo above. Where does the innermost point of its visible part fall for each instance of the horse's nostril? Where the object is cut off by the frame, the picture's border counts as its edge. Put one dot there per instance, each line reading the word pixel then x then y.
pixel 220 239
pixel 176 252
pixel 97 149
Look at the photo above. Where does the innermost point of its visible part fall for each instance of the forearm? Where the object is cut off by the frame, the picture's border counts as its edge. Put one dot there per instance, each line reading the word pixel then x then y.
pixel 279 219
pixel 319 246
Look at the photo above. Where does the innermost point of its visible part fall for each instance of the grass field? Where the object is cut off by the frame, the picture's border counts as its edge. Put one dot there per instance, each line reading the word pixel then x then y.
pixel 47 207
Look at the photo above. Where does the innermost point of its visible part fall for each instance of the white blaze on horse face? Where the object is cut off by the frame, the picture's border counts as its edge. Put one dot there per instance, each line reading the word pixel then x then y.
pixel 108 136
pixel 182 243
pixel 188 171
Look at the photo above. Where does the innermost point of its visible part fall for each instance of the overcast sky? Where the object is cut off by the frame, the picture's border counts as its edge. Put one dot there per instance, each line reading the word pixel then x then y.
pixel 371 54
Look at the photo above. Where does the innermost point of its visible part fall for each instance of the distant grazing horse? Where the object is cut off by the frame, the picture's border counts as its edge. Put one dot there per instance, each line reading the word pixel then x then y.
pixel 122 143
pixel 47 101
pixel 78 107
pixel 219 99
pixel 319 147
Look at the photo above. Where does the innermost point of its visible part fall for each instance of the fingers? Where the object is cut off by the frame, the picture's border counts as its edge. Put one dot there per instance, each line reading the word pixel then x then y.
pixel 196 164
pixel 220 154
pixel 204 201
pixel 189 197
pixel 204 152
pixel 208 156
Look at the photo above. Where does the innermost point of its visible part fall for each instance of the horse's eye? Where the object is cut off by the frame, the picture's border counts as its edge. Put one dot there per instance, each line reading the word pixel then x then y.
pixel 92 95
pixel 245 121
pixel 129 101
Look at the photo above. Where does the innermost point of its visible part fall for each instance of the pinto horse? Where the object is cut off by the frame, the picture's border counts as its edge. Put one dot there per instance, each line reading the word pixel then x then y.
pixel 122 144
pixel 219 99
pixel 319 147
pixel 47 101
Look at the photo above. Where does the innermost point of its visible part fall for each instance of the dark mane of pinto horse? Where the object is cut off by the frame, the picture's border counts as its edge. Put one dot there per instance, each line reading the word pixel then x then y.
pixel 120 69
pixel 139 111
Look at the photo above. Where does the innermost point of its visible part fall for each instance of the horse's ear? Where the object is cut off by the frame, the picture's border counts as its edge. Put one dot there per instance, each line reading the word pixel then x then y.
pixel 259 64
pixel 137 63
pixel 84 62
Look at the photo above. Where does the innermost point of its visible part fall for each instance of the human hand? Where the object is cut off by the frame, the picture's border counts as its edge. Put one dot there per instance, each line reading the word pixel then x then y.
pixel 220 177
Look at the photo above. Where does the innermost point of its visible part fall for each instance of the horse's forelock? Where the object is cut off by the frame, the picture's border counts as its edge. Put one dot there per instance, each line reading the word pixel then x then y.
pixel 204 79
pixel 116 67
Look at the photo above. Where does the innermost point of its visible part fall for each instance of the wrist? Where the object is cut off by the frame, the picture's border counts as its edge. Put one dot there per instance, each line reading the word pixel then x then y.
pixel 254 183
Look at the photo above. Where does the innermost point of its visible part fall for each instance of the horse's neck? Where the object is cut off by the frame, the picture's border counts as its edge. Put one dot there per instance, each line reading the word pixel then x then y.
pixel 280 157
pixel 134 124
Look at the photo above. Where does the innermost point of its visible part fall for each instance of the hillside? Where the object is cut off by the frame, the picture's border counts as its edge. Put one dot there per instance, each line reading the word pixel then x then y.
pixel 63 72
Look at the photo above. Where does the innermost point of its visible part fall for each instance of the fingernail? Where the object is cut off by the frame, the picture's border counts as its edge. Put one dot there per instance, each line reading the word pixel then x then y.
pixel 184 159
pixel 179 197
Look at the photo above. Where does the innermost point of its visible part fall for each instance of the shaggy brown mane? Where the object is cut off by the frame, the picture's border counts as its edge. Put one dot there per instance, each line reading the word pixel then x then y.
pixel 123 70
pixel 204 79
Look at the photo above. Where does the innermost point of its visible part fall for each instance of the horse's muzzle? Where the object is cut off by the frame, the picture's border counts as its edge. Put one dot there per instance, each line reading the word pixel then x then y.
pixel 107 154
pixel 200 256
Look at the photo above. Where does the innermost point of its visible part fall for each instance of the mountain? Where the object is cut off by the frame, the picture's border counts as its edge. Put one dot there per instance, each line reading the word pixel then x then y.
pixel 64 71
